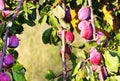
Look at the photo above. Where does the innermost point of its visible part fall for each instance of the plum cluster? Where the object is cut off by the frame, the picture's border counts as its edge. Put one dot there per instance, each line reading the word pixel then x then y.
pixel 8 59
pixel 7 62
pixel 85 26
pixel 95 60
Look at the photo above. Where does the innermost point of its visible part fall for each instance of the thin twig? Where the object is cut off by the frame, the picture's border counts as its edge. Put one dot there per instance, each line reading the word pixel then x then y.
pixel 63 56
pixel 92 18
pixel 4 48
pixel 7 31
pixel 62 73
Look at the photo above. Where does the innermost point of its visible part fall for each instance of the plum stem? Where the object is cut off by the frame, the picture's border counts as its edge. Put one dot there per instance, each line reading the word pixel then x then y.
pixel 7 31
pixel 92 18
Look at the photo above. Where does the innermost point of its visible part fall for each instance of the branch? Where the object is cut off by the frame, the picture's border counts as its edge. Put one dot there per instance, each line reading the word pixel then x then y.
pixel 92 18
pixel 7 31
pixel 62 73
pixel 63 56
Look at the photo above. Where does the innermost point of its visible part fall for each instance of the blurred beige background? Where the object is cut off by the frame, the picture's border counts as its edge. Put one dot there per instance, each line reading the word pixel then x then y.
pixel 37 57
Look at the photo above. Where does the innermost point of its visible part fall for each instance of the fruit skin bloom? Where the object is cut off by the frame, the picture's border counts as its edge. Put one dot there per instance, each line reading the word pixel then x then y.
pixel 86 30
pixel 2 5
pixel 8 60
pixel 95 56
pixel 69 36
pixel 4 77
pixel 13 42
pixel 84 13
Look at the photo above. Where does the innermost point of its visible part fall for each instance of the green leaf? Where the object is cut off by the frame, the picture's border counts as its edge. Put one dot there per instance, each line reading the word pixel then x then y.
pixel 54 38
pixel 77 68
pixel 14 53
pixel 32 16
pixel 53 21
pixel 58 12
pixel 18 76
pixel 31 23
pixel 113 78
pixel 41 2
pixel 17 67
pixel 45 10
pixel 46 36
pixel 111 61
pixel 79 2
pixel 50 75
pixel 18 72
pixel 43 20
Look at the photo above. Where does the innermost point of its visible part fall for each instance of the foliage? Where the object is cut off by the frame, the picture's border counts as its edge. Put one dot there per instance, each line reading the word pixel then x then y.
pixel 105 37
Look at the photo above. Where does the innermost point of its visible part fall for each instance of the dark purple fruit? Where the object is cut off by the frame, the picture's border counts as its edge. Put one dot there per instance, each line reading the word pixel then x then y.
pixel 8 60
pixel 13 42
pixel 68 17
pixel 4 76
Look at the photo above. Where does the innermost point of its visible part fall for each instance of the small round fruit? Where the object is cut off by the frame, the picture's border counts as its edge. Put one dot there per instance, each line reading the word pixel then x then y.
pixel 84 13
pixel 13 42
pixel 67 15
pixel 4 76
pixel 6 13
pixel 95 56
pixel 8 60
pixel 69 36
pixel 86 30
pixel 2 5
